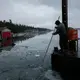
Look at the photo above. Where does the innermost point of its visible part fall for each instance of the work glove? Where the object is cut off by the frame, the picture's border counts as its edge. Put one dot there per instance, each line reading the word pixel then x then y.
pixel 56 27
pixel 53 33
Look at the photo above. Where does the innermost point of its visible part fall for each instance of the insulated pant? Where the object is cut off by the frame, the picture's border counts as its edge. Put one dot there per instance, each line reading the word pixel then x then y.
pixel 63 42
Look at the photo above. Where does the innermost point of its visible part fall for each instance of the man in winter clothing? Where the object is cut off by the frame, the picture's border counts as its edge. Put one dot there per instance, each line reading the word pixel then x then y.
pixel 61 30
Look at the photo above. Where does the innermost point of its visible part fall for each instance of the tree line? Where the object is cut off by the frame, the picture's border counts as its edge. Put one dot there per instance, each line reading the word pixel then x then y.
pixel 18 28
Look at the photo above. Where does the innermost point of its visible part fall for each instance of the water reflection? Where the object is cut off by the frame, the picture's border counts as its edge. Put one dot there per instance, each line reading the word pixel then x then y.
pixel 6 44
pixel 17 39
pixel 10 43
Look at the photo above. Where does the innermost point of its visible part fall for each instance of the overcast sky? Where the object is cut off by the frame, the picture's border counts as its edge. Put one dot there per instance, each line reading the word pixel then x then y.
pixel 38 13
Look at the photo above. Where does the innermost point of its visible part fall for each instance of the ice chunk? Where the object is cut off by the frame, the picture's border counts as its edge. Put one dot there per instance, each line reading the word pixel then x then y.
pixel 37 55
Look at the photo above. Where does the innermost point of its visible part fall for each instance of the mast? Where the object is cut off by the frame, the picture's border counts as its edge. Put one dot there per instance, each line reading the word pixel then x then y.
pixel 65 13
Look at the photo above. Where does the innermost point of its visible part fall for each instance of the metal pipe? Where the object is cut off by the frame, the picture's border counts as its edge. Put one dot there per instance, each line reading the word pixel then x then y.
pixel 65 12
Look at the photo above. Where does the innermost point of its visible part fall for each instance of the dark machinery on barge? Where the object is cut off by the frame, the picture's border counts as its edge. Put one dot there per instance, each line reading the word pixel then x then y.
pixel 67 63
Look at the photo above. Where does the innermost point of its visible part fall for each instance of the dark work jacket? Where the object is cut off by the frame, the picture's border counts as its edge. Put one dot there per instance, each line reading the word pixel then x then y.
pixel 61 30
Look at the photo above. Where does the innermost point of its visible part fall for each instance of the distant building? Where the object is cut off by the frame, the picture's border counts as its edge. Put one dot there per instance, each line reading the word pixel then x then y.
pixel 5 33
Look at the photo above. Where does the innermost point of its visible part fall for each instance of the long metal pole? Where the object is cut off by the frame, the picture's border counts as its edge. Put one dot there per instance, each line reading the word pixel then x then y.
pixel 65 12
pixel 47 48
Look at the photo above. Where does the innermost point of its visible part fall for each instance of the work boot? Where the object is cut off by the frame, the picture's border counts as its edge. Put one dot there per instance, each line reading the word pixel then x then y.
pixel 61 51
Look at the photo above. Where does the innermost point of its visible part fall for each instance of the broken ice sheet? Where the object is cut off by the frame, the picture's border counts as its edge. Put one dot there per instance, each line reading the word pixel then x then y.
pixel 38 68
pixel 52 75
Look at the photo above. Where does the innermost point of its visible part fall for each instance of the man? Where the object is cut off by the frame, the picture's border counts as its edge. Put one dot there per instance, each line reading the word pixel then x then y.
pixel 61 30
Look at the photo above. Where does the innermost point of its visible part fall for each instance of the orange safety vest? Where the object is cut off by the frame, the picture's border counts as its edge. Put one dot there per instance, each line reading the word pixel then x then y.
pixel 72 34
